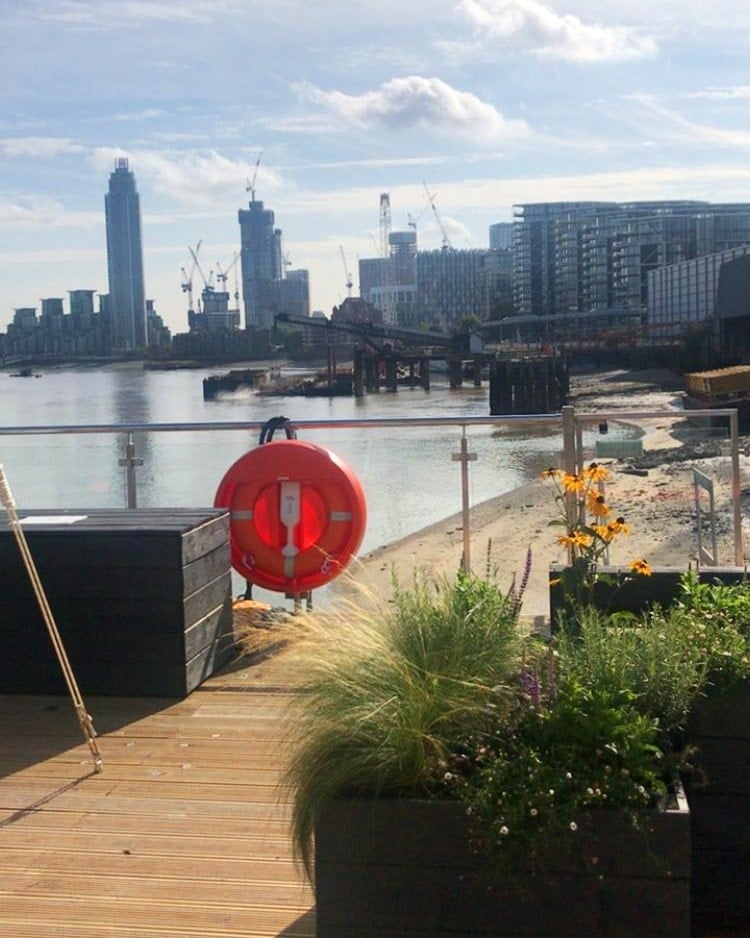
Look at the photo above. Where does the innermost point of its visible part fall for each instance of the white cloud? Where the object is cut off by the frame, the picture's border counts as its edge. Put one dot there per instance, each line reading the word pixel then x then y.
pixel 424 103
pixel 530 25
pixel 145 114
pixel 734 93
pixel 43 212
pixel 193 178
pixel 671 127
pixel 108 14
pixel 41 147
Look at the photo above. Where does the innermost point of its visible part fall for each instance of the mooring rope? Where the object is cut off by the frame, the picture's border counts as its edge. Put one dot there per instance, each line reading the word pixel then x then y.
pixel 84 718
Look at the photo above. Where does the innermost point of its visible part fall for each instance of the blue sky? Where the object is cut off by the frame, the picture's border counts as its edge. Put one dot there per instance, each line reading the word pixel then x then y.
pixel 490 102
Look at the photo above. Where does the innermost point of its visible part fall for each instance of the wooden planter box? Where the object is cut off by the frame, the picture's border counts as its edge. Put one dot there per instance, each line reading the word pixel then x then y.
pixel 640 592
pixel 403 869
pixel 142 599
pixel 719 792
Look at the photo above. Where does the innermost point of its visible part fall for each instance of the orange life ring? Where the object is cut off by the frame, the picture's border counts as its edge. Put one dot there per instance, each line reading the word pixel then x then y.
pixel 297 515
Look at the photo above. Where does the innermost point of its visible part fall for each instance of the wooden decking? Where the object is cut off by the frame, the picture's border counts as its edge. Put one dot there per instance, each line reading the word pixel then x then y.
pixel 185 833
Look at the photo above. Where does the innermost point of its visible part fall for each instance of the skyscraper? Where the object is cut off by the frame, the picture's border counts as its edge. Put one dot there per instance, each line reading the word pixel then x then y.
pixel 125 259
pixel 261 263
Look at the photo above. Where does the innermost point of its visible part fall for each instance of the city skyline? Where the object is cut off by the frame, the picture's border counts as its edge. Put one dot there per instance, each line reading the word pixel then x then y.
pixel 490 102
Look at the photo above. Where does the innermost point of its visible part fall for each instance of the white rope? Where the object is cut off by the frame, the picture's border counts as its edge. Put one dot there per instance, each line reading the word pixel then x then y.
pixel 84 718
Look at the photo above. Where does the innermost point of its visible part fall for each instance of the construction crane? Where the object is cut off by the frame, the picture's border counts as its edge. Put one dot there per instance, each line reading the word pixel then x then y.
pixel 187 279
pixel 431 198
pixel 250 187
pixel 348 276
pixel 208 284
pixel 222 275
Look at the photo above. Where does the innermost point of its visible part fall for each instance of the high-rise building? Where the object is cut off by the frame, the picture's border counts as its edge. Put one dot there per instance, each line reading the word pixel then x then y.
pixel 261 263
pixel 586 256
pixel 125 259
pixel 501 235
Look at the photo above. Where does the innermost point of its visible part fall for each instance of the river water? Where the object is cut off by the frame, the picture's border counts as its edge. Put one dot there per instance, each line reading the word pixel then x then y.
pixel 408 474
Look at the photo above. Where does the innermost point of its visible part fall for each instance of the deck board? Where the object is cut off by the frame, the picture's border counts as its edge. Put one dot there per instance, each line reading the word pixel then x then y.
pixel 185 833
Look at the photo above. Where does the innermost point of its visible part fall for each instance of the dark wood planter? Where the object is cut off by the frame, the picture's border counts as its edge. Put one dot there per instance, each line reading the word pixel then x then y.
pixel 638 593
pixel 403 869
pixel 719 793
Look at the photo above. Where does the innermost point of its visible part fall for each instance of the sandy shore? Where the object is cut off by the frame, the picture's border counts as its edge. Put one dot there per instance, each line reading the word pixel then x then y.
pixel 657 504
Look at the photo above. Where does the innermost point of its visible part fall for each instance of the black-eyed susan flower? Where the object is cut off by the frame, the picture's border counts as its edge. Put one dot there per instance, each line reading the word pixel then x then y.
pixel 575 539
pixel 596 473
pixel 573 483
pixel 551 473
pixel 604 531
pixel 640 567
pixel 597 505
pixel 618 526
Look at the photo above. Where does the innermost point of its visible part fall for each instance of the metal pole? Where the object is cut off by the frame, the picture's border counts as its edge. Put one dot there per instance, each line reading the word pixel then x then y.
pixel 739 552
pixel 569 464
pixel 130 462
pixel 465 457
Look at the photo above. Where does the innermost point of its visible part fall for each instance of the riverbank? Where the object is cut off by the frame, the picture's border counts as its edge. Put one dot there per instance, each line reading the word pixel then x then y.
pixel 657 502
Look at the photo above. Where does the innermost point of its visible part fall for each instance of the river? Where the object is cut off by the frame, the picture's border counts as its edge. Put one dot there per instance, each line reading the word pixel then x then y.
pixel 408 474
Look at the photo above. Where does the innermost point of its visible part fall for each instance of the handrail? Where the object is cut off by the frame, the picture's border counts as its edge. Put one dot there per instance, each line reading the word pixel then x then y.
pixel 571 434
pixel 361 422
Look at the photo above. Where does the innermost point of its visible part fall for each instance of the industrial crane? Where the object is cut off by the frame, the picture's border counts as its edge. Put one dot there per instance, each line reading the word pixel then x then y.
pixel 431 198
pixel 208 284
pixel 187 279
pixel 348 276
pixel 222 275
pixel 250 187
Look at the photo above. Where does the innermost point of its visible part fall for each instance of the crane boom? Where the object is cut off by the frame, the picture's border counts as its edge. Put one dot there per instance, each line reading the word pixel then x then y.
pixel 187 278
pixel 348 276
pixel 431 198
pixel 250 187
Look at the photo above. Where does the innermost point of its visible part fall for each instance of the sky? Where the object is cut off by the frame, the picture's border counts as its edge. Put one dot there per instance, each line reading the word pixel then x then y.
pixel 483 103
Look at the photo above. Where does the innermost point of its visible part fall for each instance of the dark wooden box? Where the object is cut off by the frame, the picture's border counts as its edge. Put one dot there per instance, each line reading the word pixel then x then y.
pixel 142 599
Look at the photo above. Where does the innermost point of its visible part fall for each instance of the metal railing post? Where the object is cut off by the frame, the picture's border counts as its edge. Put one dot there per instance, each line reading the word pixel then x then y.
pixel 465 457
pixel 734 427
pixel 131 463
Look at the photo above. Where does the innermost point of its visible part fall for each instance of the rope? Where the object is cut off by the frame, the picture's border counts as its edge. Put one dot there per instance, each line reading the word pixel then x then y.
pixel 84 719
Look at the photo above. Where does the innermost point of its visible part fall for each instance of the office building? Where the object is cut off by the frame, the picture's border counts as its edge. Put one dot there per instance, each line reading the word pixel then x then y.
pixel 261 263
pixel 125 260
pixel 450 285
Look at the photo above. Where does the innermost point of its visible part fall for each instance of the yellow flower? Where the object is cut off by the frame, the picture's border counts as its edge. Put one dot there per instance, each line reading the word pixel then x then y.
pixel 575 539
pixel 596 473
pixel 604 531
pixel 573 483
pixel 551 473
pixel 597 506
pixel 555 581
pixel 641 568
pixel 618 526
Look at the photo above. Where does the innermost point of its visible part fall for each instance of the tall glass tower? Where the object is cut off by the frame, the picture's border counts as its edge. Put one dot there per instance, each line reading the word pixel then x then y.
pixel 261 261
pixel 125 259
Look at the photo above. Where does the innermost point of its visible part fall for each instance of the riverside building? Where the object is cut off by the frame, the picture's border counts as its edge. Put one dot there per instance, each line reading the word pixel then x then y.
pixel 125 260
pixel 587 256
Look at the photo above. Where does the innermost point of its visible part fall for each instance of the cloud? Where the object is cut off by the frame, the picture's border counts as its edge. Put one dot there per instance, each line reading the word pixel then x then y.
pixel 734 93
pixel 671 127
pixel 145 114
pixel 425 103
pixel 194 178
pixel 110 14
pixel 42 147
pixel 42 212
pixel 532 26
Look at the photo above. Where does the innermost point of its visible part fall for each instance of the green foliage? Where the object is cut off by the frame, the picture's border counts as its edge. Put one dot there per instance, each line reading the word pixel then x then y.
pixel 590 748
pixel 386 696
pixel 441 696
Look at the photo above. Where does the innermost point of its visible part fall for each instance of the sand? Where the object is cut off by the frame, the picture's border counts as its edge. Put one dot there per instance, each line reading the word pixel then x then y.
pixel 659 506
